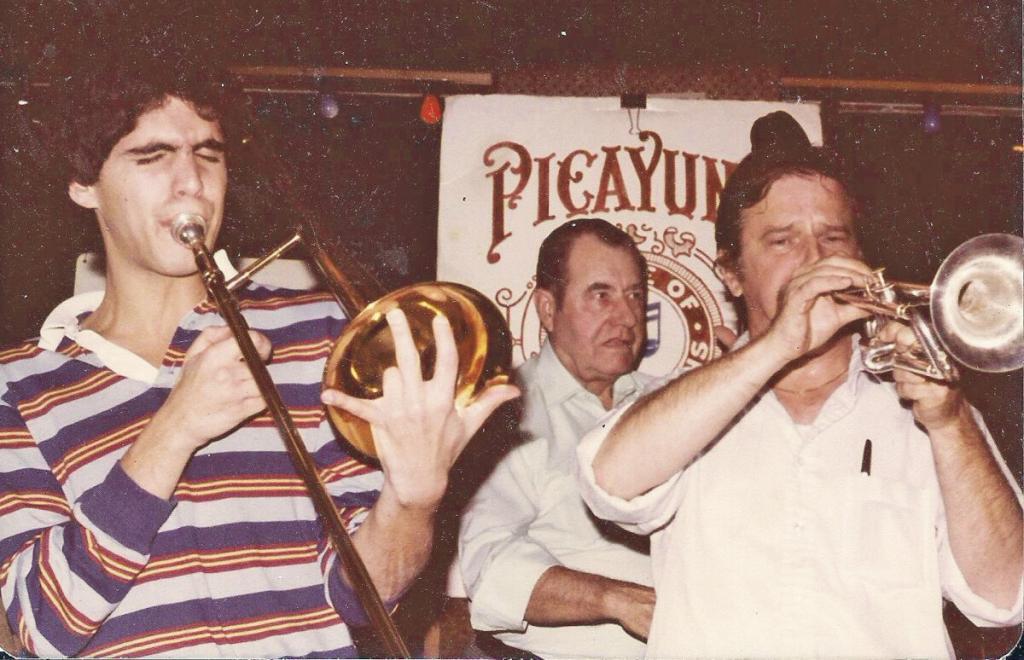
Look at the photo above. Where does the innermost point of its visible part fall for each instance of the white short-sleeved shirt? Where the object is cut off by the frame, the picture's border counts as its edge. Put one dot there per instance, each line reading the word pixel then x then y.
pixel 775 543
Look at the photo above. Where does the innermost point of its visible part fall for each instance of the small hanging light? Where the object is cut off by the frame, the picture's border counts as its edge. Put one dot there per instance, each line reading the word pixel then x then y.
pixel 430 109
pixel 931 122
pixel 328 106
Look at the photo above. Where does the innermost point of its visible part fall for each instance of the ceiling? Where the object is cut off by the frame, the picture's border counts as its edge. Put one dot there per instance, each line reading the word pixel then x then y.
pixel 974 41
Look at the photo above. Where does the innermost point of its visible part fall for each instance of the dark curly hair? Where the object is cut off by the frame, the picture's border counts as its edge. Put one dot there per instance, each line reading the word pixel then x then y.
pixel 102 101
pixel 779 148
pixel 553 258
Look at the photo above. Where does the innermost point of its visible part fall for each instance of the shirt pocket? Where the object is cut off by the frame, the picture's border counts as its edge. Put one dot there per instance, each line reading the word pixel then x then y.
pixel 885 532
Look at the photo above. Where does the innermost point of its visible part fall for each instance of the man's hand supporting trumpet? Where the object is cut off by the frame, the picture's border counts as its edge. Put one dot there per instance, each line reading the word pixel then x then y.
pixel 983 514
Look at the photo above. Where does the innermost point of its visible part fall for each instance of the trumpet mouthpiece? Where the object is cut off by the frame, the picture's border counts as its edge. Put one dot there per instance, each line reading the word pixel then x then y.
pixel 188 228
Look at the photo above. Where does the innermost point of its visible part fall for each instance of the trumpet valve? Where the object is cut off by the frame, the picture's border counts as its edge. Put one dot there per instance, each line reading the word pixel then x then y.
pixel 878 288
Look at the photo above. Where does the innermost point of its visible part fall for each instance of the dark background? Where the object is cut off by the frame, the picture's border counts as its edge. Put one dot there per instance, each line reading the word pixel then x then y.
pixel 371 172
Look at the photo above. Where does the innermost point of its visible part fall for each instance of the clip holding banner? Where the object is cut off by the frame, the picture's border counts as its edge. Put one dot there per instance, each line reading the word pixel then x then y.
pixel 633 101
pixel 633 104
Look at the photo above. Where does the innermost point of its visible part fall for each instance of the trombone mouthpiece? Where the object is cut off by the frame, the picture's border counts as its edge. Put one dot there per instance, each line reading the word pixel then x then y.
pixel 188 228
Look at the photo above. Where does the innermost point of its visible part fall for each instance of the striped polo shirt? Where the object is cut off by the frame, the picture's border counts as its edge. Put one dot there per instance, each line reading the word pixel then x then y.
pixel 236 564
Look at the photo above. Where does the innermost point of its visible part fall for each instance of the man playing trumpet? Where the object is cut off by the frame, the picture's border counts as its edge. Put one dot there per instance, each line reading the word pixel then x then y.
pixel 149 508
pixel 796 507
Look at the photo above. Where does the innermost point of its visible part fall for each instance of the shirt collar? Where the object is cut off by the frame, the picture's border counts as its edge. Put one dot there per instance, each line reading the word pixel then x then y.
pixel 559 385
pixel 63 322
pixel 841 400
pixel 64 318
pixel 856 362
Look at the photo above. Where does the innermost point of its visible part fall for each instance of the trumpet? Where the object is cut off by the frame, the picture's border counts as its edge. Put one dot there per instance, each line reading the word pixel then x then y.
pixel 972 313
pixel 356 366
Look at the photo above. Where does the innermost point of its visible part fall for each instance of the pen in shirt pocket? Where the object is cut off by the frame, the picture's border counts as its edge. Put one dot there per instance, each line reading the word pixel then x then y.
pixel 865 458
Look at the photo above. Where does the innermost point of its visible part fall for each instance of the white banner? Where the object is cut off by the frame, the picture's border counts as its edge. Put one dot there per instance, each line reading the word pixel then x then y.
pixel 515 167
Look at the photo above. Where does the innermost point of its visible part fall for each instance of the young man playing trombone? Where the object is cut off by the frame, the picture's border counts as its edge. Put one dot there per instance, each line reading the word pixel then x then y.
pixel 797 507
pixel 149 508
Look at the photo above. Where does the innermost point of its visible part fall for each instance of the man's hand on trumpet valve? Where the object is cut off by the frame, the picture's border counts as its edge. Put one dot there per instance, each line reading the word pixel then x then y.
pixel 806 314
pixel 936 404
pixel 418 429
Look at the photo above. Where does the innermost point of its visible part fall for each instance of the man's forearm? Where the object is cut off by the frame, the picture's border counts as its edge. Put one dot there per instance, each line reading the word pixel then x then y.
pixel 983 515
pixel 155 461
pixel 56 580
pixel 563 596
pixel 703 402
pixel 394 543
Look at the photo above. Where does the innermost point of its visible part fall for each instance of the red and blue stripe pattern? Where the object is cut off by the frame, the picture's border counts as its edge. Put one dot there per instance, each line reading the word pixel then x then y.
pixel 236 564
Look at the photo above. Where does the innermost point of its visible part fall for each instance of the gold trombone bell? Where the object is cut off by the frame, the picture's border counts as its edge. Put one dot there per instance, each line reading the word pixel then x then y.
pixel 365 348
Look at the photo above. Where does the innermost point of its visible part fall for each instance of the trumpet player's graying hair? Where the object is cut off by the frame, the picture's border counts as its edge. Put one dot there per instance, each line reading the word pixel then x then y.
pixel 553 258
pixel 779 147
pixel 104 97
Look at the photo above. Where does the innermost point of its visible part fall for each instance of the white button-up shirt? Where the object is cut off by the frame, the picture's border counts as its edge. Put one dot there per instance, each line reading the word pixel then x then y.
pixel 528 516
pixel 774 542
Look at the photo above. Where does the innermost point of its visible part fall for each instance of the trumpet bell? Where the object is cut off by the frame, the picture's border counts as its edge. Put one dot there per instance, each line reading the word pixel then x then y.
pixel 365 348
pixel 977 303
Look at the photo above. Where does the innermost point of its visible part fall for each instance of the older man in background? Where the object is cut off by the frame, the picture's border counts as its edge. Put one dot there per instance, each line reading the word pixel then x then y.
pixel 543 575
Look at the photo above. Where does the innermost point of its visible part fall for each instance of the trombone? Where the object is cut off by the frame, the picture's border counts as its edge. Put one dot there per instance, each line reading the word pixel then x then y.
pixel 356 365
pixel 972 313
